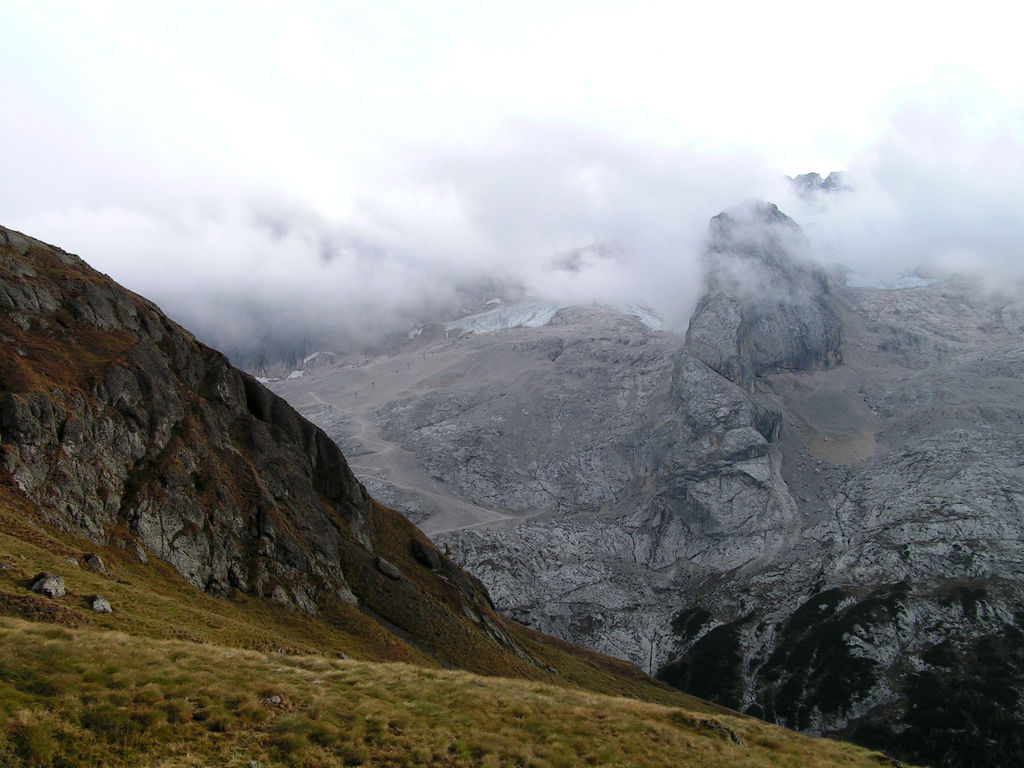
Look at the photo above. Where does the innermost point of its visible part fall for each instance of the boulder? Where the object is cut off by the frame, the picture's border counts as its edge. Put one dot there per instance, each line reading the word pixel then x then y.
pixel 101 604
pixel 49 584
pixel 388 569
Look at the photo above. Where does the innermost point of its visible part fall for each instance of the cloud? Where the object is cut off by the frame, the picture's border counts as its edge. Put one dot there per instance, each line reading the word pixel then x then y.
pixel 263 269
pixel 940 190
pixel 451 226
pixel 286 176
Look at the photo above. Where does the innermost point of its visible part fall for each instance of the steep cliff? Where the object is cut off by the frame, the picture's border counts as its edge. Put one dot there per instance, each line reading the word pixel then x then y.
pixel 123 431
pixel 766 308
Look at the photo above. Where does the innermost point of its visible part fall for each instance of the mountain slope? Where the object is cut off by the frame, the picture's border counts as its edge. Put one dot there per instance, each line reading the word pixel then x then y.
pixel 169 702
pixel 809 508
pixel 121 430
pixel 219 566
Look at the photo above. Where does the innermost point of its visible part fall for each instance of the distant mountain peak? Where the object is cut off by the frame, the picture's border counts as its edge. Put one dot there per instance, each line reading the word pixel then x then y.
pixel 810 184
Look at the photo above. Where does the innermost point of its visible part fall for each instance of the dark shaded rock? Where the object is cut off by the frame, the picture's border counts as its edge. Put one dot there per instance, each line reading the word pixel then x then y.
pixel 426 555
pixel 49 584
pixel 94 563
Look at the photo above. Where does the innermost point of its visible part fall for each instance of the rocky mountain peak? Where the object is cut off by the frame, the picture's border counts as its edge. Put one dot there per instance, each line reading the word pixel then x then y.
pixel 747 218
pixel 765 308
pixel 811 184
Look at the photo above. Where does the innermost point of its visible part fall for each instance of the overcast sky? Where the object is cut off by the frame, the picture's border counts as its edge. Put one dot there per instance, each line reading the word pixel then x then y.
pixel 355 162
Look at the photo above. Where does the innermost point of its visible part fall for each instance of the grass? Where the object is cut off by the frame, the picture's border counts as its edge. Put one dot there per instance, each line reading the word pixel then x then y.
pixel 176 678
pixel 153 601
pixel 92 697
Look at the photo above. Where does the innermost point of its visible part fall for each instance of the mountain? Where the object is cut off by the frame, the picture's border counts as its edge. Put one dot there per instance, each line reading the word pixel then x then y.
pixel 119 429
pixel 807 508
pixel 190 574
pixel 811 184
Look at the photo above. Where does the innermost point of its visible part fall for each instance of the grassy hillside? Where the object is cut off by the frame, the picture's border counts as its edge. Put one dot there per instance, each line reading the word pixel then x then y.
pixel 174 677
pixel 153 601
pixel 89 697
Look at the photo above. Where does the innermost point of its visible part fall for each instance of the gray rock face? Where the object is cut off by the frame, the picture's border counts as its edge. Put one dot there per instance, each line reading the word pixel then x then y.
pixel 809 508
pixel 767 308
pixel 50 585
pixel 115 420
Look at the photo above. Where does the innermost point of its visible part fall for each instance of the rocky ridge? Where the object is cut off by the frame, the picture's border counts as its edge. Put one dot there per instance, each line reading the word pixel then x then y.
pixel 119 428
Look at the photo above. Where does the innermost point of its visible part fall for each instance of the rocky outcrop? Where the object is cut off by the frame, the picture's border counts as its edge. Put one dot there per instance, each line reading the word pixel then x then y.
pixel 766 308
pixel 128 428
pixel 123 430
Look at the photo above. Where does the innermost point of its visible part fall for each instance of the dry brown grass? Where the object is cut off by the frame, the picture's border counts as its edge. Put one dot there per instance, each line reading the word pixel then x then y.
pixel 153 601
pixel 177 678
pixel 89 697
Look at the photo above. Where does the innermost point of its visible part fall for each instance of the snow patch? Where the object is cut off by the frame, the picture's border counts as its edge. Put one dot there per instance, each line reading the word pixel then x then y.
pixel 295 375
pixel 645 315
pixel 519 315
pixel 534 314
pixel 900 282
